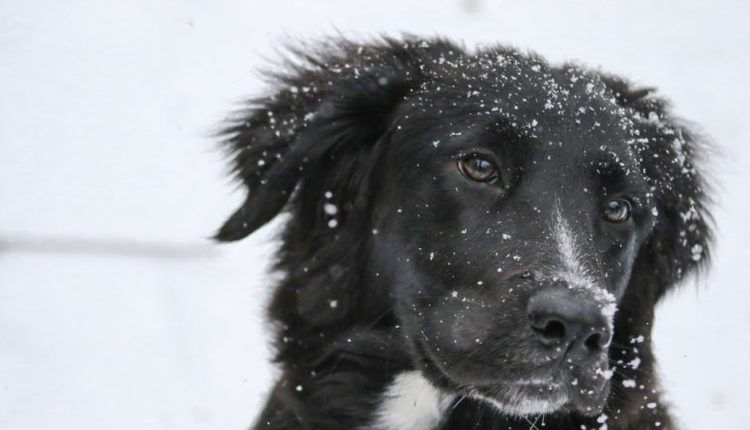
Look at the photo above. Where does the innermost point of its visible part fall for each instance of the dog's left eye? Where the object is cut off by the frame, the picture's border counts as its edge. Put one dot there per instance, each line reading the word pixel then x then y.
pixel 617 211
pixel 478 168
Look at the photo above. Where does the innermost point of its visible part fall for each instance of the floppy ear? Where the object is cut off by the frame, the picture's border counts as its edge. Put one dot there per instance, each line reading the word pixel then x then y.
pixel 331 103
pixel 670 155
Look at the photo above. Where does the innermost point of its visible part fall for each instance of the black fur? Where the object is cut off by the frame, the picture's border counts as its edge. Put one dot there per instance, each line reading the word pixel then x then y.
pixel 374 131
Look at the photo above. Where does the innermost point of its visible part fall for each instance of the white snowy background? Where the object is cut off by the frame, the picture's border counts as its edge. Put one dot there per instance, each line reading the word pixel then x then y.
pixel 115 310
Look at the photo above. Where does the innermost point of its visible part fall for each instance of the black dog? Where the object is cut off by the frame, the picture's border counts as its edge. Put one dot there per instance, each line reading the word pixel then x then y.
pixel 476 240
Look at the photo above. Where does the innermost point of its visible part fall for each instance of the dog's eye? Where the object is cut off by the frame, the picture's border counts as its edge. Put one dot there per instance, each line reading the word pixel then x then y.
pixel 478 168
pixel 617 211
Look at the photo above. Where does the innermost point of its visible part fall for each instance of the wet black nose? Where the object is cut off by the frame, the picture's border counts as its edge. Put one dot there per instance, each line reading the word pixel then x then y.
pixel 570 323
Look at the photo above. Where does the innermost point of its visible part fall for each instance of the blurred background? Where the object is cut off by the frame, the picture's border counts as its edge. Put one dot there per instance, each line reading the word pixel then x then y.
pixel 117 312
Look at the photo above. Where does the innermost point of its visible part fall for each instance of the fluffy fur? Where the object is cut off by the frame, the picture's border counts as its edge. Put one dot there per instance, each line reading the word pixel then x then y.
pixel 400 271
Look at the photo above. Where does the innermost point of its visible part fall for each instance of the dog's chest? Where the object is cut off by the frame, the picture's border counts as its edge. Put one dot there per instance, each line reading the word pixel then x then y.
pixel 411 402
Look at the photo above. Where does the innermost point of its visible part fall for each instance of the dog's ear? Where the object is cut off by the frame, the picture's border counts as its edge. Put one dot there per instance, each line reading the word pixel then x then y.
pixel 329 103
pixel 671 155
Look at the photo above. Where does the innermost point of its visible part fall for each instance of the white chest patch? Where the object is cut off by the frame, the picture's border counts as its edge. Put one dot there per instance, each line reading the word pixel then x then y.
pixel 411 403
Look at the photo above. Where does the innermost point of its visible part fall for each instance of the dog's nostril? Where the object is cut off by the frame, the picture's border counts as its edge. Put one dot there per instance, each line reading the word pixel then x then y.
pixel 552 330
pixel 594 342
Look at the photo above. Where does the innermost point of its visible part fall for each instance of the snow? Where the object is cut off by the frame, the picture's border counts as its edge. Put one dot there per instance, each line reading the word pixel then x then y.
pixel 106 112
pixel 634 363
pixel 606 374
pixel 330 209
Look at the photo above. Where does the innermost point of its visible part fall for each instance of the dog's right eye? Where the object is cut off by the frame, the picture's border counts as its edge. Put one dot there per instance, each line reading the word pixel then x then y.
pixel 617 211
pixel 478 168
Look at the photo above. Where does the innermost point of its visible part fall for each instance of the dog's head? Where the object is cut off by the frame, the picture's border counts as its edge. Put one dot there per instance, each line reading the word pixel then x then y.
pixel 514 216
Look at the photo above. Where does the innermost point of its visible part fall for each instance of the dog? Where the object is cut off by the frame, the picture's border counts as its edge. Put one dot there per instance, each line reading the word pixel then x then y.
pixel 475 240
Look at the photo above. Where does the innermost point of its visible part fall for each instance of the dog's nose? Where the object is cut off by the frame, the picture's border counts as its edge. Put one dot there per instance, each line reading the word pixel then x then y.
pixel 570 323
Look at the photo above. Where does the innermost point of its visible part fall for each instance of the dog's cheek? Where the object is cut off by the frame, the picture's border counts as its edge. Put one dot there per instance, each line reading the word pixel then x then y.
pixel 477 324
pixel 462 322
pixel 322 301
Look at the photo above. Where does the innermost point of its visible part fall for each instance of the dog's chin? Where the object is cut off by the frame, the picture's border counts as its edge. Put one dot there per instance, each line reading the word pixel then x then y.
pixel 522 400
pixel 525 399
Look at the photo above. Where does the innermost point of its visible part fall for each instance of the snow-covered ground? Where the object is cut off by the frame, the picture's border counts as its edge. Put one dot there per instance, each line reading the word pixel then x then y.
pixel 117 313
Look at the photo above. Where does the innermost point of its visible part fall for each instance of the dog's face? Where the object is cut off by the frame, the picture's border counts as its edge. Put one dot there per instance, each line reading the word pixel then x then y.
pixel 508 238
pixel 514 216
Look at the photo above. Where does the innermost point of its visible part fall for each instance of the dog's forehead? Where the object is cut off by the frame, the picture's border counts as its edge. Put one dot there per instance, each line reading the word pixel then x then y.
pixel 551 104
pixel 519 84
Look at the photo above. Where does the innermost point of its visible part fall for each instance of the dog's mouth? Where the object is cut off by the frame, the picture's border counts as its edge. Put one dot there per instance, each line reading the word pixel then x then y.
pixel 561 390
pixel 523 398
